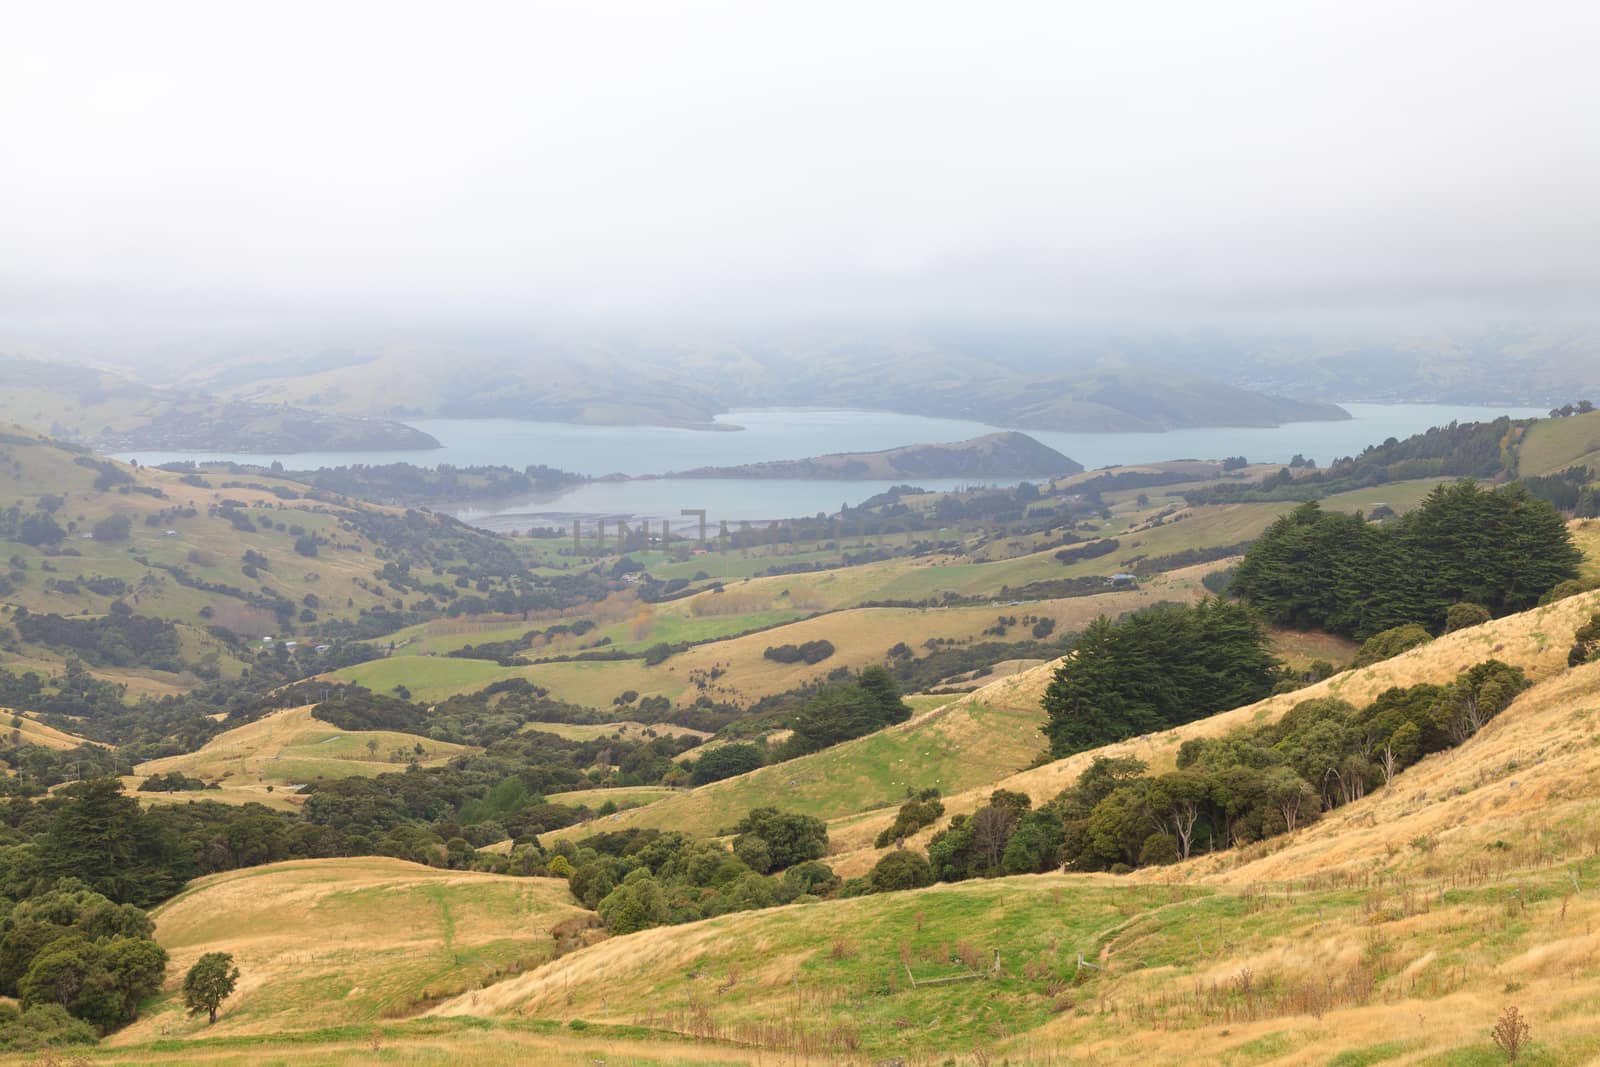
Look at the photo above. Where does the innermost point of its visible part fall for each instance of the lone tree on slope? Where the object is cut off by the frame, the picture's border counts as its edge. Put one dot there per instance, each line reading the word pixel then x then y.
pixel 208 984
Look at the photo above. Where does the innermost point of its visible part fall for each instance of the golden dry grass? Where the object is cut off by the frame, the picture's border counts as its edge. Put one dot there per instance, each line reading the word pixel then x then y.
pixel 1536 641
pixel 626 727
pixel 1394 930
pixel 288 747
pixel 20 728
pixel 1298 649
pixel 325 942
pixel 954 746
pixel 864 636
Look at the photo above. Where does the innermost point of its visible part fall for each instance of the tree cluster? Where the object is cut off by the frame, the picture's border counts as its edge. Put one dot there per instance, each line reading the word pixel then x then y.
pixel 841 712
pixel 1502 549
pixel 1158 668
pixel 809 652
pixel 1459 450
pixel 638 879
pixel 1246 785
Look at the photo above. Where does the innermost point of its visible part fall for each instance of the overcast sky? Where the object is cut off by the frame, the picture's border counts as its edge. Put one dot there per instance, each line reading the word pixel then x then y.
pixel 172 161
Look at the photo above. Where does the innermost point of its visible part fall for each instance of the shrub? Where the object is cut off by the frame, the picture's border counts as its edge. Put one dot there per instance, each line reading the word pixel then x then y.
pixel 913 816
pixel 810 653
pixel 726 761
pixel 811 877
pixel 1391 643
pixel 42 1026
pixel 1158 850
pixel 902 869
pixel 1562 590
pixel 115 528
pixel 1511 1033
pixel 1464 615
pixel 637 904
pixel 789 838
pixel 1586 642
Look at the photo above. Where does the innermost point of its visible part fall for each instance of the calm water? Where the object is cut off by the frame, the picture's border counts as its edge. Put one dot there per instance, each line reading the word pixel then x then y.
pixel 795 434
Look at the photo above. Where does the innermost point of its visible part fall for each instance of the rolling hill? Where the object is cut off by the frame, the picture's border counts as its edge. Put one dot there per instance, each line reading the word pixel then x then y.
pixel 114 414
pixel 332 942
pixel 255 554
pixel 1552 445
pixel 688 385
pixel 261 761
pixel 862 636
pixel 1537 641
pixel 1396 929
pixel 996 455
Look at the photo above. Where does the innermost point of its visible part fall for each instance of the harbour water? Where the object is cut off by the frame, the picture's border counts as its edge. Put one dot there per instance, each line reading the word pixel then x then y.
pixel 773 434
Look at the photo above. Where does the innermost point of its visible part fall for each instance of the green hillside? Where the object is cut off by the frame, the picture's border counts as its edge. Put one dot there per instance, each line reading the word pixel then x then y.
pixel 1553 445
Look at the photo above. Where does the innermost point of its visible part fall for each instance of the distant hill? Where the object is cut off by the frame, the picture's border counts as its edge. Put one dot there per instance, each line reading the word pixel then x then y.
pixel 995 455
pixel 256 554
pixel 113 414
pixel 689 385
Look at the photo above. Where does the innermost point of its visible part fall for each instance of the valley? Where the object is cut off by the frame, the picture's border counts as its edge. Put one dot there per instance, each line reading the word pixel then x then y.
pixel 476 738
pixel 799 535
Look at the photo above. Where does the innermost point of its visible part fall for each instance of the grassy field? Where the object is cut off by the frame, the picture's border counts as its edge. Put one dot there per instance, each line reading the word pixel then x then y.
pixel 1298 649
pixel 289 747
pixel 1552 445
pixel 1536 641
pixel 654 624
pixel 1180 974
pixel 861 636
pixel 334 942
pixel 622 797
pixel 675 627
pixel 17 728
pixel 590 731
pixel 181 527
pixel 1394 930
pixel 864 636
pixel 958 746
pixel 427 677
pixel 1586 535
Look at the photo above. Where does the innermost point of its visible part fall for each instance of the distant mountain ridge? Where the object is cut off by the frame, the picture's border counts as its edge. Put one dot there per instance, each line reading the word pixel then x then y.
pixel 1007 454
pixel 114 414
pixel 689 385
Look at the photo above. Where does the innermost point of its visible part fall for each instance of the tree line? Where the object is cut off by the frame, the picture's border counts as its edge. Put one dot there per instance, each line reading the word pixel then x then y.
pixel 1156 669
pixel 1246 785
pixel 1500 548
pixel 1459 450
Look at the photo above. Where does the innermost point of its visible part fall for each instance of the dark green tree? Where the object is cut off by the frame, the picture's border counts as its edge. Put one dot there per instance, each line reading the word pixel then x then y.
pixel 901 869
pixel 880 685
pixel 137 967
pixel 1162 667
pixel 725 761
pixel 100 836
pixel 1503 549
pixel 790 838
pixel 209 982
